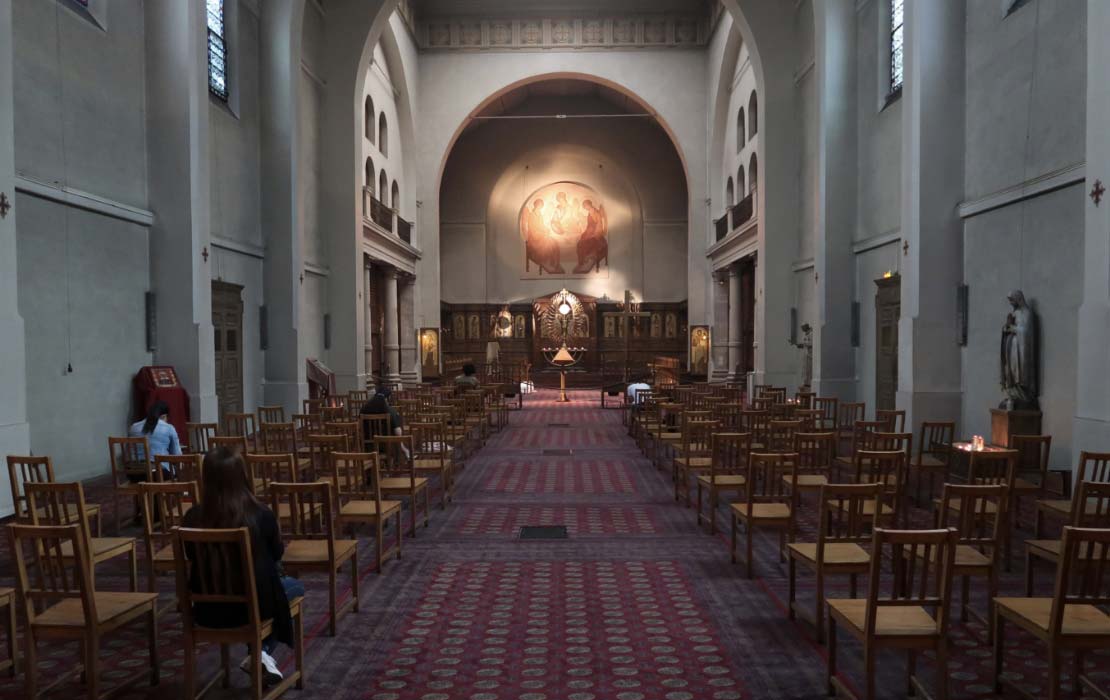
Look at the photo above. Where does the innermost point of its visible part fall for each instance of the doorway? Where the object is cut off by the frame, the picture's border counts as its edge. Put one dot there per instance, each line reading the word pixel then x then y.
pixel 888 309
pixel 227 327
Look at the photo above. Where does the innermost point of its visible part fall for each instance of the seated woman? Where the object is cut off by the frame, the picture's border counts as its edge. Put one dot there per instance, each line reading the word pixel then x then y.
pixel 468 379
pixel 227 502
pixel 159 434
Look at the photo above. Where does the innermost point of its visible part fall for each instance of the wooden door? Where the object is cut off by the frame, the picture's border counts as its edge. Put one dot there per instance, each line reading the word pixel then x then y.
pixel 227 326
pixel 888 303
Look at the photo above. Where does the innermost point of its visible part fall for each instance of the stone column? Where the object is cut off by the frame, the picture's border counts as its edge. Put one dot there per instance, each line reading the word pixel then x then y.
pixel 929 361
pixel 734 332
pixel 177 109
pixel 409 368
pixel 368 315
pixel 1092 410
pixel 392 345
pixel 14 430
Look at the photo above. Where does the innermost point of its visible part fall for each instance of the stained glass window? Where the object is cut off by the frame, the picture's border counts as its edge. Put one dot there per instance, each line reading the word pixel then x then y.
pixel 897 41
pixel 217 50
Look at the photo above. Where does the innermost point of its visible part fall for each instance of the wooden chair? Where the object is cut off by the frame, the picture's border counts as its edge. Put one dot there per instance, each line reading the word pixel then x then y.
pixel 1031 472
pixel 978 513
pixel 780 435
pixel 728 471
pixel 311 545
pixel 810 418
pixel 272 414
pixel 58 504
pixel 131 463
pixel 8 600
pixel 848 414
pixel 934 455
pixel 61 604
pixel 356 398
pixel 757 423
pixel 1093 466
pixel 188 467
pixel 199 435
pixel 320 450
pixel 886 467
pixel 913 617
pixel 164 508
pixel 243 425
pixel 1095 495
pixel 281 438
pixel 312 406
pixel 358 495
pixel 863 438
pixel 331 414
pixel 804 399
pixel 895 420
pixel 216 567
pixel 844 533
pixel 430 455
pixel 816 452
pixel 22 470
pixel 308 424
pixel 399 474
pixel 694 456
pixel 1074 618
pixel 989 468
pixel 352 430
pixel 830 409
pixel 765 504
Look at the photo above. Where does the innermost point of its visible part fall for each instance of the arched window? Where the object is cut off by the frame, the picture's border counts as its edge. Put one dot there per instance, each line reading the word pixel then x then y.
pixel 368 118
pixel 395 197
pixel 897 39
pixel 730 197
pixel 383 187
pixel 753 115
pixel 740 182
pixel 369 181
pixel 383 135
pixel 741 137
pixel 753 174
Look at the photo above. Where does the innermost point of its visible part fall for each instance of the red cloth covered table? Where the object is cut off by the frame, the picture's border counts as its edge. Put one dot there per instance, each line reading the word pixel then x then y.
pixel 160 384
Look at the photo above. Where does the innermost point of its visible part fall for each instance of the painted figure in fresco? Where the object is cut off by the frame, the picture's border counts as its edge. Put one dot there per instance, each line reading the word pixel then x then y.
pixel 699 351
pixel 539 246
pixel 593 245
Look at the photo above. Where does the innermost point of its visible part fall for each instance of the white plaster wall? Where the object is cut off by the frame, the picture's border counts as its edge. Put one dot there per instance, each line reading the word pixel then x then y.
pixel 82 280
pixel 79 98
pixel 313 241
pixel 453 84
pixel 494 168
pixel 870 265
pixel 879 138
pixel 1026 76
pixel 1029 247
pixel 808 117
pixel 314 304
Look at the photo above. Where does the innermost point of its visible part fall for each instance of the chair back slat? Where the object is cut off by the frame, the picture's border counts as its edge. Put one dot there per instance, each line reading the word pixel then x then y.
pixel 396 455
pixel 992 467
pixel 816 451
pixel 764 482
pixel 697 437
pixel 923 562
pixel 242 425
pixel 278 438
pixel 1083 577
pixel 199 435
pixel 215 566
pixel 1093 466
pixel 352 430
pixel 265 469
pixel 131 455
pixel 429 440
pixel 1033 452
pixel 164 508
pixel 22 470
pixel 843 516
pixel 976 511
pixel 188 467
pixel 850 413
pixel 45 571
pixel 830 411
pixel 895 420
pixel 272 414
pixel 310 511
pixel 321 447
pixel 730 453
pixel 1094 499
pixel 235 443
pixel 780 435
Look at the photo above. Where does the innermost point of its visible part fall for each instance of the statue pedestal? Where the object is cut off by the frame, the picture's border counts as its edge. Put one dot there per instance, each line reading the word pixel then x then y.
pixel 1005 424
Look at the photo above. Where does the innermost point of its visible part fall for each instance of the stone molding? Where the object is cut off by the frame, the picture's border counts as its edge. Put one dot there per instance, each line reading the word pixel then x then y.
pixel 568 33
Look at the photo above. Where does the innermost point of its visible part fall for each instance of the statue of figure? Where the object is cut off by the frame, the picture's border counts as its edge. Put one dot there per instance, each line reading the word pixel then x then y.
pixel 1019 356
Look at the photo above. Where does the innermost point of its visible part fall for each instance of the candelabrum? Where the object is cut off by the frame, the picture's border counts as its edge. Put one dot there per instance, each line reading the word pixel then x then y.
pixel 563 357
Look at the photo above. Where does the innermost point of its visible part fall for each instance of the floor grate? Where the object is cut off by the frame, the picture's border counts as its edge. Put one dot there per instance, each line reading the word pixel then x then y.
pixel 558 425
pixel 557 452
pixel 544 532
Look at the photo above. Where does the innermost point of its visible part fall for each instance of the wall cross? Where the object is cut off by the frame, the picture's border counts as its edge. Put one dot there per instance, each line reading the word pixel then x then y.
pixel 5 205
pixel 1096 192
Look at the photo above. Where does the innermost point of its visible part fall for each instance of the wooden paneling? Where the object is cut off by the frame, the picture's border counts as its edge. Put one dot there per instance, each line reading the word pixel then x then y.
pixel 227 326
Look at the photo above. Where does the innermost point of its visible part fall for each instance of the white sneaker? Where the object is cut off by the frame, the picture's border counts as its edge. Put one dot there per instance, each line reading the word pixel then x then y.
pixel 270 672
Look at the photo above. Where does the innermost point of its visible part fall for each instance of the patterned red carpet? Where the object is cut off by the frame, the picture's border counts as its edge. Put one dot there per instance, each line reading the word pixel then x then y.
pixel 637 604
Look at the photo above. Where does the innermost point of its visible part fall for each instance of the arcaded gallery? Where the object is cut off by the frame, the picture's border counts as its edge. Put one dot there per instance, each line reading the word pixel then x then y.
pixel 555 349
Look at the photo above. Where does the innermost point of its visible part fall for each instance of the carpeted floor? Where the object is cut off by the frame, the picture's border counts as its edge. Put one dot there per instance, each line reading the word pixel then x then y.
pixel 638 603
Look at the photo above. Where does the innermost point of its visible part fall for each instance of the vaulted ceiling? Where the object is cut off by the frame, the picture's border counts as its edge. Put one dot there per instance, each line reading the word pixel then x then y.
pixel 430 9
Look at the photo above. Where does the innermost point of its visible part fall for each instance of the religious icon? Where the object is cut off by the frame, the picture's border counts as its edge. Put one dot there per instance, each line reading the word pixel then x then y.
pixel 458 326
pixel 610 326
pixel 563 226
pixel 518 326
pixel 474 327
pixel 699 350
pixel 672 325
pixel 429 352
pixel 656 325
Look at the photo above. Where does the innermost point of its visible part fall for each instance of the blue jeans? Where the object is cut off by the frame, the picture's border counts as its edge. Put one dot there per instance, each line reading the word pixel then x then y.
pixel 293 589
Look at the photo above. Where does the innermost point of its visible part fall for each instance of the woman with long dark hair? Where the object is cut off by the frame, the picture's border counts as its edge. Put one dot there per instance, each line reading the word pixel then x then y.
pixel 227 502
pixel 160 435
